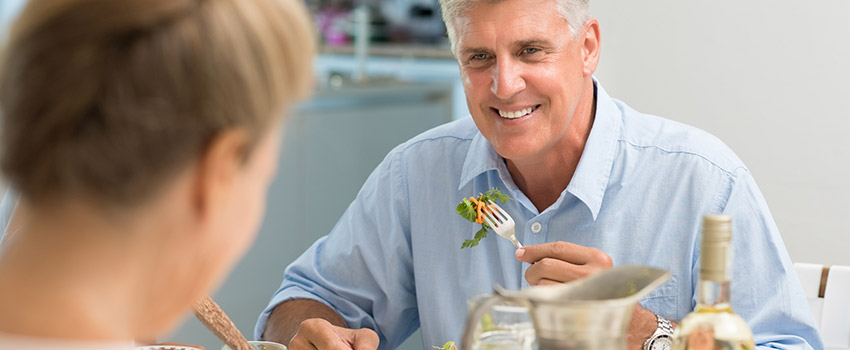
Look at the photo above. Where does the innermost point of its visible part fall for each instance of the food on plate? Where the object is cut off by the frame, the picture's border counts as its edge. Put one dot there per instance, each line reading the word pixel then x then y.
pixel 474 209
pixel 449 345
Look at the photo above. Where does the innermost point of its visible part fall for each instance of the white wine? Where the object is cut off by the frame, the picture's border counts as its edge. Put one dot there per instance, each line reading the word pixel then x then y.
pixel 713 325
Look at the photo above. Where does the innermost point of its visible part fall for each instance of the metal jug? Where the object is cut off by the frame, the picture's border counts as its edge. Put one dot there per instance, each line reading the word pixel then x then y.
pixel 591 313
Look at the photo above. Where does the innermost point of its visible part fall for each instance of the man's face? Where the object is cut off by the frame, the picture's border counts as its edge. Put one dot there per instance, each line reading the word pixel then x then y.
pixel 523 73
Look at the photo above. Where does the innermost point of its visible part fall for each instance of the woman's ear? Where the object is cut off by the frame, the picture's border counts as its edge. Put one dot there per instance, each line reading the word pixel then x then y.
pixel 217 171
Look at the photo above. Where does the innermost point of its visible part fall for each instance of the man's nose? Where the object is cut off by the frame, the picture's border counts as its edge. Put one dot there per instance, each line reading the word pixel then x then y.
pixel 507 79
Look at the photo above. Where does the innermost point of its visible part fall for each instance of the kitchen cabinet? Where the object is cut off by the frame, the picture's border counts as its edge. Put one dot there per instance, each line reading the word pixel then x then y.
pixel 405 68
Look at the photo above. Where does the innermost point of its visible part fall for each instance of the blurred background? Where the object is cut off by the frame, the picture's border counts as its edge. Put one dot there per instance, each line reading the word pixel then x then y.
pixel 770 78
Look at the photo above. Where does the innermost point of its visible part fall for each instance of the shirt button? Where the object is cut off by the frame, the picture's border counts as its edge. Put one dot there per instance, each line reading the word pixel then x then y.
pixel 536 227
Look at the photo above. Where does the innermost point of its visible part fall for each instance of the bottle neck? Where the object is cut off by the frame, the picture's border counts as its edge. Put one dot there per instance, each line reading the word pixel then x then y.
pixel 715 263
pixel 714 296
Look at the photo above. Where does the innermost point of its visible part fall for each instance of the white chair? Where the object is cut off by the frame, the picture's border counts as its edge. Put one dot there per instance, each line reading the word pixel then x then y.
pixel 830 302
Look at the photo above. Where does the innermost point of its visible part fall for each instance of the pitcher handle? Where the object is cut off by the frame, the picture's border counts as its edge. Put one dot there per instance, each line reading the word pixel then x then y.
pixel 474 318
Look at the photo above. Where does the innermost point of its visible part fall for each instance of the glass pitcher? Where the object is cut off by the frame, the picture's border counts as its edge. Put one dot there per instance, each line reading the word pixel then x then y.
pixel 591 313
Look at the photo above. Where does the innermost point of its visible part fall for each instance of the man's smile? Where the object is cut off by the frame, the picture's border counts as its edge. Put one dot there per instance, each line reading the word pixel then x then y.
pixel 508 114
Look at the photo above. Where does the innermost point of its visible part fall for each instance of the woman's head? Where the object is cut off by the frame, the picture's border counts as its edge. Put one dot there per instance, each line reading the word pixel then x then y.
pixel 160 116
pixel 107 100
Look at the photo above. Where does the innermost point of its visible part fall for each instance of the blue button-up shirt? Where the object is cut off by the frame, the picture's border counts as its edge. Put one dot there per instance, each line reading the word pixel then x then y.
pixel 393 262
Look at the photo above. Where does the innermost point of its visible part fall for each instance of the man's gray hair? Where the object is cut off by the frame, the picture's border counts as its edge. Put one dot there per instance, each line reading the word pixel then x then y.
pixel 576 12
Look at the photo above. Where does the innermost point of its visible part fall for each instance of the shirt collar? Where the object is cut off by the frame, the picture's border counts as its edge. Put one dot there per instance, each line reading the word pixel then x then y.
pixel 481 157
pixel 590 180
pixel 594 169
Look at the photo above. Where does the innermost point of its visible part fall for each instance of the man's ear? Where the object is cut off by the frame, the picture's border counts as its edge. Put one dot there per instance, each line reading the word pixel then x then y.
pixel 217 170
pixel 591 46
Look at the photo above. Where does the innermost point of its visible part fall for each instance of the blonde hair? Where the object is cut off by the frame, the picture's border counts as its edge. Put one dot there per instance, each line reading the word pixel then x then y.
pixel 107 99
pixel 576 12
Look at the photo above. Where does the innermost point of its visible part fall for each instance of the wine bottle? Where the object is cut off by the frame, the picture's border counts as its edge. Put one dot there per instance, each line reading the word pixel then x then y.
pixel 713 324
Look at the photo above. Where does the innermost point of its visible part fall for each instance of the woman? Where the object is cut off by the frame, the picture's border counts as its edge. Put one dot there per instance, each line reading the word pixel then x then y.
pixel 141 136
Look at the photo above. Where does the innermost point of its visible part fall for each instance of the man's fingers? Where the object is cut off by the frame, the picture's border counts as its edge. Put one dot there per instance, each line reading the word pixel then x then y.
pixel 561 262
pixel 365 339
pixel 319 334
pixel 547 282
pixel 553 270
pixel 300 342
pixel 564 251
pixel 316 333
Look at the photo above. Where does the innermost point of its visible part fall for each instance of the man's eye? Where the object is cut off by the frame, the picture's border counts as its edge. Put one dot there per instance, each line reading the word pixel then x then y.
pixel 530 50
pixel 479 57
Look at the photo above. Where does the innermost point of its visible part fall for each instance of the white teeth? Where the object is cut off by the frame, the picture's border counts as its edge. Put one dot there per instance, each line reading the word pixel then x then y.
pixel 516 114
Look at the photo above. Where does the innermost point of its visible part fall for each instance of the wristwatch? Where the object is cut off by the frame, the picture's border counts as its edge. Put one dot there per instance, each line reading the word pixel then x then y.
pixel 662 339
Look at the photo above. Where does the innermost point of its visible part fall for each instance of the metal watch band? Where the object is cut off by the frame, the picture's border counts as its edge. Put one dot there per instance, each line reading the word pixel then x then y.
pixel 665 326
pixel 665 329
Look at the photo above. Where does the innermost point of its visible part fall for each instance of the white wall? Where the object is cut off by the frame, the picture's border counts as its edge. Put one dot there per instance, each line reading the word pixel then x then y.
pixel 770 78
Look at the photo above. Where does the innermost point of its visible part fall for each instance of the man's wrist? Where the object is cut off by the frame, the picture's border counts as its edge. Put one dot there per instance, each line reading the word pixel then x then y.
pixel 641 327
pixel 286 318
pixel 662 337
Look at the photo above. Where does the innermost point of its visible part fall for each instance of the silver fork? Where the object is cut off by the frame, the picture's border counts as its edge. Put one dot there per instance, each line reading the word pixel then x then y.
pixel 502 223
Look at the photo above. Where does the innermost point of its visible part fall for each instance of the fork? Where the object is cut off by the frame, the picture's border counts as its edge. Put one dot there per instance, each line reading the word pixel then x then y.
pixel 502 223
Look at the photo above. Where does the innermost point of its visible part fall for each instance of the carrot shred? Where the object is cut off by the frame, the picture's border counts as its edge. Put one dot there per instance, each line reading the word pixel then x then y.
pixel 487 209
pixel 478 204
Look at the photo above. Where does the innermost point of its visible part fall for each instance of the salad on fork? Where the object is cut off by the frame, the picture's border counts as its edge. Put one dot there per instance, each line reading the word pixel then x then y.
pixel 484 210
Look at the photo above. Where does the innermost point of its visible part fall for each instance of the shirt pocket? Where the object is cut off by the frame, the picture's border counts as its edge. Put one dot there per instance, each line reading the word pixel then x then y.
pixel 664 300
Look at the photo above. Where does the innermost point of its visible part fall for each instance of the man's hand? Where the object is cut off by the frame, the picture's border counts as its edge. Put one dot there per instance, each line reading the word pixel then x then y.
pixel 317 333
pixel 561 262
pixel 303 324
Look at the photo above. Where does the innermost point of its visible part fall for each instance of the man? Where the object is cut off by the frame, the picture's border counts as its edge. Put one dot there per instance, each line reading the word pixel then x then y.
pixel 594 183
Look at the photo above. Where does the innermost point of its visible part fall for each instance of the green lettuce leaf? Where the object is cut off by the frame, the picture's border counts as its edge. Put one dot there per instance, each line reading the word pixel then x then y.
pixel 467 210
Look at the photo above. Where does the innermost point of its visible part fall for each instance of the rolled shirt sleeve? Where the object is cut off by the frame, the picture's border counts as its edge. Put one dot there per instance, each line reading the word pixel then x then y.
pixel 362 268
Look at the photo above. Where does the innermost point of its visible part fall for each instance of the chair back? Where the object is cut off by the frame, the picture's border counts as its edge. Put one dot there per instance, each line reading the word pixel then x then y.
pixel 827 289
